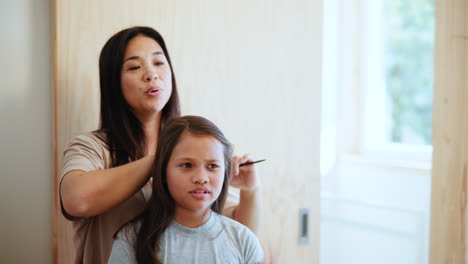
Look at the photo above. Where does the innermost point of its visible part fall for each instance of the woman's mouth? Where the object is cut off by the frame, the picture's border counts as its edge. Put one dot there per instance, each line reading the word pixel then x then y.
pixel 153 91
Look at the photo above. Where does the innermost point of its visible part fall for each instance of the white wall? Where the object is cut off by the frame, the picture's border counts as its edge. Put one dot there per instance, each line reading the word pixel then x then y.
pixel 25 131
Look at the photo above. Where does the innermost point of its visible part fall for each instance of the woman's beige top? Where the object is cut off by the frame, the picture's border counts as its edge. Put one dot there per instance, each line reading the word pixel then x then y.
pixel 94 236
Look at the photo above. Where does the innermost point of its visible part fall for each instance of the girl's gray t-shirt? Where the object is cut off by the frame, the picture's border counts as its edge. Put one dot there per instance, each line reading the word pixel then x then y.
pixel 219 240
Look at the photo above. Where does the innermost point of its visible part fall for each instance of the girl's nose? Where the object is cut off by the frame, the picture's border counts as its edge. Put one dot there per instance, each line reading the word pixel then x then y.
pixel 200 177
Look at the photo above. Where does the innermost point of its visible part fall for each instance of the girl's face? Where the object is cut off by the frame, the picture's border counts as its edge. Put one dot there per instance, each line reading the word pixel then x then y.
pixel 195 173
pixel 146 77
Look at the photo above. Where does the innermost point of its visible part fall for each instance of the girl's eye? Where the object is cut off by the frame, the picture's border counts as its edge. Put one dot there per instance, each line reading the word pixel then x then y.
pixel 213 166
pixel 186 165
pixel 159 63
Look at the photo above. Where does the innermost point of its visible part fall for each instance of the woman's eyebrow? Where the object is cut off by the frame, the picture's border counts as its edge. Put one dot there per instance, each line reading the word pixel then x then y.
pixel 183 158
pixel 137 57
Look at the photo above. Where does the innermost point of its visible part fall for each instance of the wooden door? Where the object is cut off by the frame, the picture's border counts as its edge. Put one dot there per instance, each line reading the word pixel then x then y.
pixel 253 67
pixel 450 135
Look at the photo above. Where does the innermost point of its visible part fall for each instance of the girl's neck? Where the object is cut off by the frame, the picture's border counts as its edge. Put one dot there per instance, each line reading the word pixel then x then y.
pixel 191 219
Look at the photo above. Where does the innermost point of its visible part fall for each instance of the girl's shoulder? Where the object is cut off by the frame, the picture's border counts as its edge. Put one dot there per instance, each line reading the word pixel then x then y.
pixel 128 232
pixel 235 228
pixel 123 247
pixel 226 221
pixel 244 238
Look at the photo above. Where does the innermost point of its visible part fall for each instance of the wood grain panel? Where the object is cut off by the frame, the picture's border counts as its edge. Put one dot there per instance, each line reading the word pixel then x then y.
pixel 450 134
pixel 253 67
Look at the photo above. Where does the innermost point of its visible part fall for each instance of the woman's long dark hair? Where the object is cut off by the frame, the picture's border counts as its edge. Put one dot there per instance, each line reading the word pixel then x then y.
pixel 157 216
pixel 123 132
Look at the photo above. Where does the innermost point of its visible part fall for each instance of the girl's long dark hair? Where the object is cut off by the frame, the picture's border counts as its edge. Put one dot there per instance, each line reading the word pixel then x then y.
pixel 157 216
pixel 123 132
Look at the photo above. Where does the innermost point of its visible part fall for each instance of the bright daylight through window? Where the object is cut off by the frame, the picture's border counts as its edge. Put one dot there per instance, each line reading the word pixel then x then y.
pixel 408 62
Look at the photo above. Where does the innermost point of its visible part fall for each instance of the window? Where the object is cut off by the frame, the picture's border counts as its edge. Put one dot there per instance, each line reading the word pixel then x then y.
pixel 378 79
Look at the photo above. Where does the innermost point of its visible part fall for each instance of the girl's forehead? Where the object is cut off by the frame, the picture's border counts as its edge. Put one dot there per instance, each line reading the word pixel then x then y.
pixel 191 144
pixel 193 138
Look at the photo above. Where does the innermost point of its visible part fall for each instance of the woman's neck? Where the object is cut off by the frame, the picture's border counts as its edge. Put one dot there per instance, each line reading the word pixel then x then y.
pixel 191 219
pixel 151 129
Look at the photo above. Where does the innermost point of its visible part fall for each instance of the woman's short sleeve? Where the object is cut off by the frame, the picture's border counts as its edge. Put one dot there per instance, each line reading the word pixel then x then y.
pixel 87 153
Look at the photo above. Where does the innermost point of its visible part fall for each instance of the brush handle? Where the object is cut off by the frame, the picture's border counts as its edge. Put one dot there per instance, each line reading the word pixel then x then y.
pixel 250 163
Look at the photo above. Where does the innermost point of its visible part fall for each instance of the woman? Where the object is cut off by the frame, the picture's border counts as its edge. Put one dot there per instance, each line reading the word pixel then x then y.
pixel 105 179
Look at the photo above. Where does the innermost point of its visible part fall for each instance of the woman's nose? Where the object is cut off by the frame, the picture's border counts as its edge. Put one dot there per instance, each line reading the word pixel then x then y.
pixel 150 75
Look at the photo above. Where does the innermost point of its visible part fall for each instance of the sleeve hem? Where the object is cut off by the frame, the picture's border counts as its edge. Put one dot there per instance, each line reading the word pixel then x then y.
pixel 64 212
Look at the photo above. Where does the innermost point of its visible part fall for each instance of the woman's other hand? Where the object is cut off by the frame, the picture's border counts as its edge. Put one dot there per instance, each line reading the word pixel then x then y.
pixel 245 178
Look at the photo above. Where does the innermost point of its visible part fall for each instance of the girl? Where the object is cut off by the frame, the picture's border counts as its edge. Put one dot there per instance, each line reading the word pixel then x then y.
pixel 105 173
pixel 182 221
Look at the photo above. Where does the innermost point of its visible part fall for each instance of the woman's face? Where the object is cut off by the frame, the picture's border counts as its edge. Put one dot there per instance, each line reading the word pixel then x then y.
pixel 146 77
pixel 195 173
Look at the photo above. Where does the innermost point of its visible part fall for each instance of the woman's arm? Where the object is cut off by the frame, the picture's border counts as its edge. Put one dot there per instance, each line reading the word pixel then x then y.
pixel 249 210
pixel 86 194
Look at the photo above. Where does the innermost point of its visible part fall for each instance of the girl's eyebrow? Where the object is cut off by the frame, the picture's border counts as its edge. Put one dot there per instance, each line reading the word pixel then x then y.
pixel 214 160
pixel 137 57
pixel 190 159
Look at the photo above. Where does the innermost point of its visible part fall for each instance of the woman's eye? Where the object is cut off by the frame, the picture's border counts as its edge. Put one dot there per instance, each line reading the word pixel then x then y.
pixel 186 165
pixel 159 63
pixel 133 68
pixel 213 166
